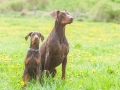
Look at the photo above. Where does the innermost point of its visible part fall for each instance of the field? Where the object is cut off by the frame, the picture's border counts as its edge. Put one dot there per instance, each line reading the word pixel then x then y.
pixel 93 60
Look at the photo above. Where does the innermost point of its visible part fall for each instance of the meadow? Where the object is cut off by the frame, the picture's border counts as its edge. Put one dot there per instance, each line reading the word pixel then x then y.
pixel 93 60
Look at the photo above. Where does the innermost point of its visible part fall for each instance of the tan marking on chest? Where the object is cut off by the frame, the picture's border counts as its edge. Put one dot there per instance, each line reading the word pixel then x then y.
pixel 37 60
pixel 27 60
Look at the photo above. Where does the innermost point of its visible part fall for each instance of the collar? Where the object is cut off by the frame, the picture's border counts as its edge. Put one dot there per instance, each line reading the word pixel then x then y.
pixel 35 50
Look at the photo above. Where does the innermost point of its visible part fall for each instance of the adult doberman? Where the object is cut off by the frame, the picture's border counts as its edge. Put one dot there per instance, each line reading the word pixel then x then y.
pixel 55 49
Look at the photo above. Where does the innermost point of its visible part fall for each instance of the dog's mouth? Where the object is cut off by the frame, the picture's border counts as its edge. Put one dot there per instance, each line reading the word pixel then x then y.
pixel 35 42
pixel 71 21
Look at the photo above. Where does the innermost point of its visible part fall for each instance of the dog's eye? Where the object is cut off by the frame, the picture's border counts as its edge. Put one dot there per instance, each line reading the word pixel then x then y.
pixel 38 35
pixel 63 15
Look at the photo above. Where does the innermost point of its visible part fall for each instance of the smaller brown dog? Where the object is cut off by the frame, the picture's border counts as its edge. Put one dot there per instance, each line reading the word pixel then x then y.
pixel 33 58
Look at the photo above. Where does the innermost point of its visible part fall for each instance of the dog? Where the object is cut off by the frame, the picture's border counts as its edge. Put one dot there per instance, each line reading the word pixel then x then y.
pixel 33 58
pixel 55 49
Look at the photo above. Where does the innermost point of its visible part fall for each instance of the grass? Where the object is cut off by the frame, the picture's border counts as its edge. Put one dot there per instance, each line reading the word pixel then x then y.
pixel 93 60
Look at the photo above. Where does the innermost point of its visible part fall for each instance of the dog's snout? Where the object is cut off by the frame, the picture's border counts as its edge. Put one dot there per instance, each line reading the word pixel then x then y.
pixel 71 18
pixel 36 37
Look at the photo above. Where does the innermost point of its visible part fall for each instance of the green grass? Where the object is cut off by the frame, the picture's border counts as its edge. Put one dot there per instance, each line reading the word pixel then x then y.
pixel 93 60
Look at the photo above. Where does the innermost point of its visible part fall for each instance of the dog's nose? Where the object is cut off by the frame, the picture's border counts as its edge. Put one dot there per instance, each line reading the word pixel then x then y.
pixel 36 37
pixel 71 18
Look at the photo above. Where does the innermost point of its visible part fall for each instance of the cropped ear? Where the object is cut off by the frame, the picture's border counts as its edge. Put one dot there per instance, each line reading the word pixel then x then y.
pixel 66 11
pixel 26 37
pixel 54 14
pixel 42 37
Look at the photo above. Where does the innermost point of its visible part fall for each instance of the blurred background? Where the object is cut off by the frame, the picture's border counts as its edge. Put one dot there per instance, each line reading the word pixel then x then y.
pixel 82 10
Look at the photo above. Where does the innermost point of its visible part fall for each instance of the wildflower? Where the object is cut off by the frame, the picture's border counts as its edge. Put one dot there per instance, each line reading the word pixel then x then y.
pixel 99 58
pixel 53 78
pixel 93 71
pixel 70 79
pixel 6 61
pixel 76 74
pixel 18 64
pixel 59 76
pixel 81 72
pixel 13 76
pixel 80 86
pixel 22 83
pixel 16 55
pixel 12 66
pixel 9 59
pixel 4 55
pixel 56 79
pixel 66 80
pixel 71 61
pixel 81 59
pixel 116 71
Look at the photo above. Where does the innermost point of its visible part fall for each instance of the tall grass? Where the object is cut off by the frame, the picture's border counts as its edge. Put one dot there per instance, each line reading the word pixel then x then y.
pixel 93 60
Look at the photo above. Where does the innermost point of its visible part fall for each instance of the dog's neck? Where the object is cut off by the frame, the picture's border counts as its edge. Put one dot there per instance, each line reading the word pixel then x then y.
pixel 60 30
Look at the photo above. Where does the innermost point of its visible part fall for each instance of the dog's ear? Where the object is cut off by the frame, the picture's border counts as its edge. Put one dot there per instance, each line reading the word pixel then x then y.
pixel 42 37
pixel 54 14
pixel 66 11
pixel 29 34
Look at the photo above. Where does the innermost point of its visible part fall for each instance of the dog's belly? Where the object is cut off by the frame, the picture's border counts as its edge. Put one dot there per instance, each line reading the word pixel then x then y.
pixel 32 66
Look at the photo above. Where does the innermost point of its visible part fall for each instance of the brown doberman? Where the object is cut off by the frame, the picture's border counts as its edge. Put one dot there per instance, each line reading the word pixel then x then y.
pixel 32 60
pixel 55 49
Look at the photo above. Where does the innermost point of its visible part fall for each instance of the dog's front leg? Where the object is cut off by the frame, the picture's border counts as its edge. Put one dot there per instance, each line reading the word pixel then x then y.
pixel 25 76
pixel 38 74
pixel 47 61
pixel 64 67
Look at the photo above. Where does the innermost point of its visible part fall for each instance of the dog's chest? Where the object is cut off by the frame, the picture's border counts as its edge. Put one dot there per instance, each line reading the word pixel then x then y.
pixel 61 49
pixel 60 52
pixel 32 59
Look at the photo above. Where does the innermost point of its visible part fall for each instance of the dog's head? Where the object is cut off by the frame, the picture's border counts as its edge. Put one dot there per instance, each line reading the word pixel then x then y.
pixel 62 17
pixel 35 37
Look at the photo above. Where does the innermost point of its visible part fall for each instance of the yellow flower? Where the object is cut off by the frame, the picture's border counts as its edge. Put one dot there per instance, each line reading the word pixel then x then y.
pixel 12 66
pixel 81 72
pixel 70 79
pixel 59 76
pixel 76 74
pixel 117 71
pixel 4 55
pixel 93 71
pixel 18 64
pixel 13 76
pixel 71 61
pixel 9 59
pixel 22 83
